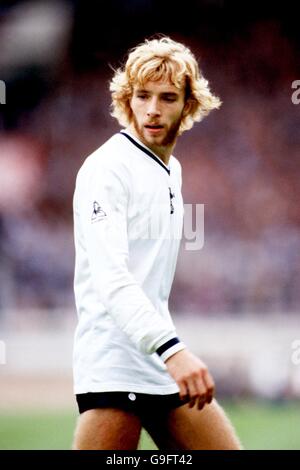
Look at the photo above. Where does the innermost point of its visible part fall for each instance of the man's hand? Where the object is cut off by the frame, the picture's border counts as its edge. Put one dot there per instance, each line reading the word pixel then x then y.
pixel 192 377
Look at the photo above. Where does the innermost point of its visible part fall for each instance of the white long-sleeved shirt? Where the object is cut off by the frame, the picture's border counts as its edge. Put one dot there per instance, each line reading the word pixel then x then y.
pixel 128 214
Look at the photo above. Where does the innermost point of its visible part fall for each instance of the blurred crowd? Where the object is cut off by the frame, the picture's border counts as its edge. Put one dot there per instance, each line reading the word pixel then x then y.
pixel 242 163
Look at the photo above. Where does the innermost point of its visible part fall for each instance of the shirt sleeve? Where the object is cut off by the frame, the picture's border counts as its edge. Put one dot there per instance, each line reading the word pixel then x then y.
pixel 101 199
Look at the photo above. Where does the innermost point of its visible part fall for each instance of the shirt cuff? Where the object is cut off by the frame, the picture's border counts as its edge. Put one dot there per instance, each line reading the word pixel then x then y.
pixel 169 348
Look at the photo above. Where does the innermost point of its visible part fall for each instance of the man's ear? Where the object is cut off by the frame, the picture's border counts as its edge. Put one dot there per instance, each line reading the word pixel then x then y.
pixel 187 108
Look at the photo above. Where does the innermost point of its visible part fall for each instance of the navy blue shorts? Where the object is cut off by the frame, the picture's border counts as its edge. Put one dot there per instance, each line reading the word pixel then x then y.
pixel 141 404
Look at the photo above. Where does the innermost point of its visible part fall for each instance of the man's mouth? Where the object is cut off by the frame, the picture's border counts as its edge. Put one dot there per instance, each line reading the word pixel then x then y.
pixel 153 129
pixel 153 126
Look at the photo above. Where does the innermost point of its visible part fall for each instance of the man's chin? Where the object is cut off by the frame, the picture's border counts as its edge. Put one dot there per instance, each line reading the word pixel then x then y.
pixel 155 139
pixel 152 139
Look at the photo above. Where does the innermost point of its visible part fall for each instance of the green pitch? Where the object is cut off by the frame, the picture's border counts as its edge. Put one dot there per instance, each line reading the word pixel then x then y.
pixel 260 425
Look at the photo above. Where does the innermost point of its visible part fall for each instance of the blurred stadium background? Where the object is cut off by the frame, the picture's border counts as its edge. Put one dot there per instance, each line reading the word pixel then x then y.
pixel 236 302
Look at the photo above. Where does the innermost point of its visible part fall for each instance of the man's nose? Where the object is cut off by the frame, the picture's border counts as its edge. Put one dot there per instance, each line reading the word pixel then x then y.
pixel 153 107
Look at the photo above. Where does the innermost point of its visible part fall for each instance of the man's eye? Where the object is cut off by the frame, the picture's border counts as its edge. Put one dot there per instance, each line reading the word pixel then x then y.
pixel 142 97
pixel 169 99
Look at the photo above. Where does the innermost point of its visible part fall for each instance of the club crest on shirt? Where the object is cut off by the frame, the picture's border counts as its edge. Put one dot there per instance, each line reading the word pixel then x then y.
pixel 171 203
pixel 98 213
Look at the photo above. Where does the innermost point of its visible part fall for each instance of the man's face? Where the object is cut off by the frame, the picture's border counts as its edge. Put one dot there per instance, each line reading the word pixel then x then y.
pixel 157 109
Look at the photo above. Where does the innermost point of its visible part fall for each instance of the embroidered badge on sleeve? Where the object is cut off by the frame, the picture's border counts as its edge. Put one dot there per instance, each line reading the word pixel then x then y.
pixel 98 213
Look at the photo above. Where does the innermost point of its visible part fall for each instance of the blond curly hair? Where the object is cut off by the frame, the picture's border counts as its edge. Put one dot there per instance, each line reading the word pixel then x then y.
pixel 157 59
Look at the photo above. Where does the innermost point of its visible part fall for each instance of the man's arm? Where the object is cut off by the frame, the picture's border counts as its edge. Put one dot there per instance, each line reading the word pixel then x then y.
pixel 100 202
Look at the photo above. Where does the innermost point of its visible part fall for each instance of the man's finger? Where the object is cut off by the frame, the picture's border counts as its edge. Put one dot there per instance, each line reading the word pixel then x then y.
pixel 183 391
pixel 210 386
pixel 197 391
pixel 192 402
pixel 193 393
pixel 201 402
